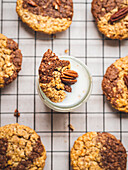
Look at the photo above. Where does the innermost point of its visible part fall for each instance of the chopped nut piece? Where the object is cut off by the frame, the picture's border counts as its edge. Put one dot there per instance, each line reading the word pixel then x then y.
pixel 71 127
pixel 32 3
pixel 55 6
pixel 58 2
pixel 126 79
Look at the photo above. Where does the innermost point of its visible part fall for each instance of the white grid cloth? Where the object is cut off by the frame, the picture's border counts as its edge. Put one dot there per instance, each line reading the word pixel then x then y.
pixel 83 41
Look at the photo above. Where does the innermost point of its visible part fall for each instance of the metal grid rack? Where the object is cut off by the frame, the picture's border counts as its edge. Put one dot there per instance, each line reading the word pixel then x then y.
pixel 84 42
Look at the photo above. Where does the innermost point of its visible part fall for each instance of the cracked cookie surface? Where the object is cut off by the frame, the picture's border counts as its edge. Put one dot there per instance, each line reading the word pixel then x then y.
pixel 115 84
pixel 99 151
pixel 104 11
pixel 49 16
pixel 10 60
pixel 55 76
pixel 20 148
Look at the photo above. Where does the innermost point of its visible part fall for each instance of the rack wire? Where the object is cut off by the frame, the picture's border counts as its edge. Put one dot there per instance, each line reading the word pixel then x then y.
pixel 82 41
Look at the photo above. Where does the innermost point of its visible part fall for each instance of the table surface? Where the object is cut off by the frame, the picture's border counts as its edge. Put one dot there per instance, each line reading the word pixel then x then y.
pixel 83 41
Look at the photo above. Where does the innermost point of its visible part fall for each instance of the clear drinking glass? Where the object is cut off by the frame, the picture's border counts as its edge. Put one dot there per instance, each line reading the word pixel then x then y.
pixel 80 90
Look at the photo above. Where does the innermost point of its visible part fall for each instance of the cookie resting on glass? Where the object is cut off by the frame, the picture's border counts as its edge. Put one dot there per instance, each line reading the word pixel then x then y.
pixel 55 77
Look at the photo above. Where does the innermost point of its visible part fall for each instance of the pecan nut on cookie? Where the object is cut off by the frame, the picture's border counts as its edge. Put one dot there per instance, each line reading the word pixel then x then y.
pixel 115 84
pixel 111 17
pixel 48 16
pixel 98 151
pixel 10 60
pixel 20 148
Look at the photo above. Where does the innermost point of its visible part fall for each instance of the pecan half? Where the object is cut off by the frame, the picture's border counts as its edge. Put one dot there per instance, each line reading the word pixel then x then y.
pixel 118 15
pixel 126 79
pixel 32 3
pixel 69 77
pixel 71 73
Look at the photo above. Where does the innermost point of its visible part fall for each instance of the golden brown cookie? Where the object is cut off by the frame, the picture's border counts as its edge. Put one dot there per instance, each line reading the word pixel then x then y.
pixel 115 84
pixel 20 148
pixel 10 60
pixel 98 151
pixel 55 77
pixel 48 16
pixel 111 17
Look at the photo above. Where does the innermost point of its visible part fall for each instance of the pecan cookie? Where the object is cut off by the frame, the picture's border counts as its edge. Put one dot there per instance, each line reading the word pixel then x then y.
pixel 115 84
pixel 111 17
pixel 48 16
pixel 20 148
pixel 10 60
pixel 98 151
pixel 55 76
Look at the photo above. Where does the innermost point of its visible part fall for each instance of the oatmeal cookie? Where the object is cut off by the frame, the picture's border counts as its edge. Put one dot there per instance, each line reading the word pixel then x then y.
pixel 111 17
pixel 48 16
pixel 20 148
pixel 10 60
pixel 98 151
pixel 55 76
pixel 115 84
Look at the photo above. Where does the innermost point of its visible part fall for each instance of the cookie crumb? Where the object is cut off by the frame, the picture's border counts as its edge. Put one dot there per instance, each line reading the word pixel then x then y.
pixel 68 88
pixel 54 36
pixel 71 127
pixel 16 113
pixel 79 96
pixel 66 51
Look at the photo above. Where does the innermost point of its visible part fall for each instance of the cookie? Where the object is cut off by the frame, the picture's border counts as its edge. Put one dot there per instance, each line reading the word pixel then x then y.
pixel 55 77
pixel 98 151
pixel 49 16
pixel 20 148
pixel 10 60
pixel 115 84
pixel 111 17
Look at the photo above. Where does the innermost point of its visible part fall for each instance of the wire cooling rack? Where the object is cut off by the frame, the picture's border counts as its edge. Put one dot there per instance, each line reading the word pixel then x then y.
pixel 83 41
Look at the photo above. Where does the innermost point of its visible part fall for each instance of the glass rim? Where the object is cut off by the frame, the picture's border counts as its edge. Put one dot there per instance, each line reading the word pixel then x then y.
pixel 53 105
